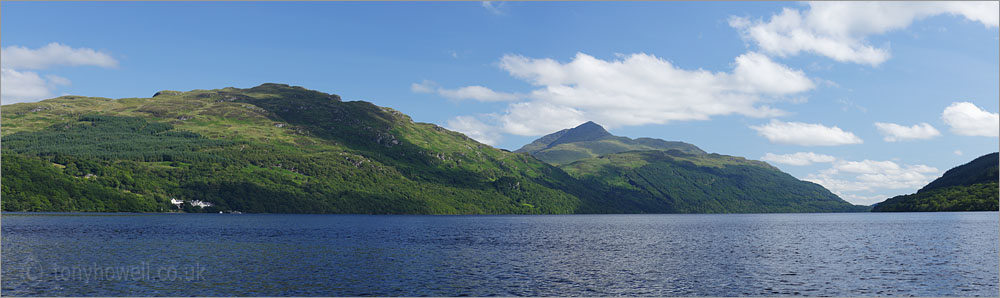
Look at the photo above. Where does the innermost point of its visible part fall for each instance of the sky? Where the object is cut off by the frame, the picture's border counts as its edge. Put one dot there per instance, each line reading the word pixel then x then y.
pixel 869 99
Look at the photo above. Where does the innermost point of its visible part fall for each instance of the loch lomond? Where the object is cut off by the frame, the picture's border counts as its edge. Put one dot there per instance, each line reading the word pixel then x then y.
pixel 828 254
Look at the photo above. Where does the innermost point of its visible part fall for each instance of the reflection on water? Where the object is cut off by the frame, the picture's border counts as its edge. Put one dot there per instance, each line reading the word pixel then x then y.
pixel 860 254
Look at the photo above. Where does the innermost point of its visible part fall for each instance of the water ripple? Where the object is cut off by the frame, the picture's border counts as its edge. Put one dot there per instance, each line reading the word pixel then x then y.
pixel 905 254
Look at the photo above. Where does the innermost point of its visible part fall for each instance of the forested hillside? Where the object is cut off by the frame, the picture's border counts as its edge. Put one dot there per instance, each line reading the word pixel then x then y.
pixel 271 148
pixel 282 149
pixel 969 187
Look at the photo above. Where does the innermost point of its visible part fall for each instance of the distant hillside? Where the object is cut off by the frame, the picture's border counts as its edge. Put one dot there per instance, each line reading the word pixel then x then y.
pixel 969 187
pixel 592 140
pixel 660 176
pixel 677 182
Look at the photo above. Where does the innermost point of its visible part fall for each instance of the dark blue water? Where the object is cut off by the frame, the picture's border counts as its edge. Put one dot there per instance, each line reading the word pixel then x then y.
pixel 860 254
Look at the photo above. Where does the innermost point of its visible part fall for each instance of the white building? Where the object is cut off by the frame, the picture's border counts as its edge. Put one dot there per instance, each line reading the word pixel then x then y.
pixel 196 203
pixel 202 204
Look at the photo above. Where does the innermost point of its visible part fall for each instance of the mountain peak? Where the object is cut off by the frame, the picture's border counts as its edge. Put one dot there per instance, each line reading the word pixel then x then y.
pixel 589 125
pixel 591 140
pixel 588 131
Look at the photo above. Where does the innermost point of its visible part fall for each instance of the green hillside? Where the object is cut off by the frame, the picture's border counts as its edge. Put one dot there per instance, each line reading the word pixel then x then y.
pixel 983 169
pixel 590 140
pixel 271 148
pixel 677 182
pixel 282 149
pixel 969 187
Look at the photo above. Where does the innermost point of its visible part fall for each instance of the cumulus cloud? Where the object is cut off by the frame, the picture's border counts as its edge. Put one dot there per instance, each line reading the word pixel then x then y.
pixel 798 158
pixel 635 89
pixel 895 132
pixel 477 93
pixel 863 199
pixel 805 134
pixel 839 30
pixel 848 178
pixel 755 73
pixel 967 119
pixel 53 54
pixel 538 118
pixel 27 86
pixel 860 182
pixel 20 85
pixel 645 89
pixel 475 129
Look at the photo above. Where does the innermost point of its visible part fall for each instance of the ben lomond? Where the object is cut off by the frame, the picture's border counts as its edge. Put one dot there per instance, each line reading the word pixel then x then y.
pixel 280 149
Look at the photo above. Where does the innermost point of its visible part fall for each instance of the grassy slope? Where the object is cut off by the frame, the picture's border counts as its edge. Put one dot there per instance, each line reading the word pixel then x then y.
pixel 311 150
pixel 673 181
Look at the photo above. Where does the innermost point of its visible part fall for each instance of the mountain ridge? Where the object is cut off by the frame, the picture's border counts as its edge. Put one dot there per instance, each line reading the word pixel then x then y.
pixel 276 148
pixel 592 140
pixel 588 131
pixel 288 150
pixel 670 176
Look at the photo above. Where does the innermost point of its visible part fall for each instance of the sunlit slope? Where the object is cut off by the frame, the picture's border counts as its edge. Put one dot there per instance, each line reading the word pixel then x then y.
pixel 271 148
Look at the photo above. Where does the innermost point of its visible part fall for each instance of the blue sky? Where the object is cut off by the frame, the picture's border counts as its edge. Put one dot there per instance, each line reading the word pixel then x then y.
pixel 870 100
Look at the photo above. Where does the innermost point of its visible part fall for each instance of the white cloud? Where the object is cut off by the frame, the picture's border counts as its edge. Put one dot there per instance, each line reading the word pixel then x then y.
pixel 895 132
pixel 848 178
pixel 863 199
pixel 423 87
pixel 538 118
pixel 958 152
pixel 755 73
pixel 966 119
pixel 477 93
pixel 643 89
pixel 839 30
pixel 53 54
pixel 805 134
pixel 635 89
pixel 861 182
pixel 523 118
pixel 798 158
pixel 473 128
pixel 26 86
